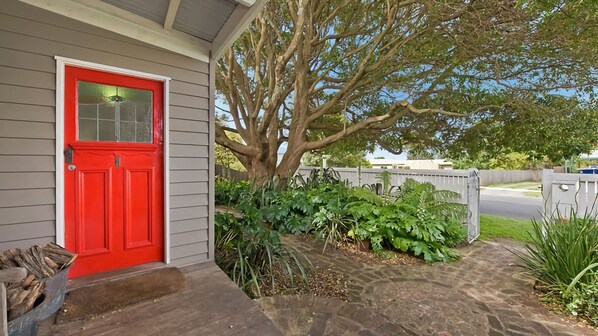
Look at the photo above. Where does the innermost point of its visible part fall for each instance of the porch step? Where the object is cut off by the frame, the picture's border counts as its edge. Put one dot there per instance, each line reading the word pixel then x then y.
pixel 210 305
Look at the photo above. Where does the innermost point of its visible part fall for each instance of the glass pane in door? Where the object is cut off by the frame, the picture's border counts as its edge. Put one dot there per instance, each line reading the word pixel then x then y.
pixel 114 113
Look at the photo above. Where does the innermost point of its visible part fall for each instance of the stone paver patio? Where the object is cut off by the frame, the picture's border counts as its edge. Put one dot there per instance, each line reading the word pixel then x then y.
pixel 485 293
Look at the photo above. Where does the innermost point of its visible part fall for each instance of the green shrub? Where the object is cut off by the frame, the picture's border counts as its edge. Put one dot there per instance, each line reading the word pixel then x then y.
pixel 582 298
pixel 330 224
pixel 563 254
pixel 250 252
pixel 423 221
pixel 560 249
pixel 583 301
pixel 290 211
pixel 229 192
pixel 316 178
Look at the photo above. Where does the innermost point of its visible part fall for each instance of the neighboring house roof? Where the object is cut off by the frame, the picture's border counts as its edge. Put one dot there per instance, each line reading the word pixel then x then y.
pixel 390 162
pixel 593 155
pixel 202 30
pixel 385 162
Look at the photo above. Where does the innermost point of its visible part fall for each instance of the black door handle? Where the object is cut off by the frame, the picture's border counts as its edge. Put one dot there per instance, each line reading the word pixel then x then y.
pixel 68 154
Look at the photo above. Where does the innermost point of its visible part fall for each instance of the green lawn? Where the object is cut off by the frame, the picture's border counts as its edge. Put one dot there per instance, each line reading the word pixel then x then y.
pixel 494 227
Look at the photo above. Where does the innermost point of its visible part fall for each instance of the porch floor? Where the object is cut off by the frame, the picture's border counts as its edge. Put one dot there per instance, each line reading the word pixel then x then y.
pixel 211 304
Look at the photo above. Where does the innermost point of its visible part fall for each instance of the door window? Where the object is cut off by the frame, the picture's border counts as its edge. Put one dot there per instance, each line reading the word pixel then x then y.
pixel 113 113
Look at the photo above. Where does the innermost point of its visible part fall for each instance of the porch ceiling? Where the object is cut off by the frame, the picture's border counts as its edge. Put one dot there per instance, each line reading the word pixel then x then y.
pixel 202 19
pixel 201 29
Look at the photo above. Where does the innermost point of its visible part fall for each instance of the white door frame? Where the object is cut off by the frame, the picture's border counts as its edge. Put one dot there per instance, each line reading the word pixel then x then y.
pixel 61 62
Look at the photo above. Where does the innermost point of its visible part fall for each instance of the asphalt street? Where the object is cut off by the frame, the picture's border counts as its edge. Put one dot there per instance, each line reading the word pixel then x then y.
pixel 509 204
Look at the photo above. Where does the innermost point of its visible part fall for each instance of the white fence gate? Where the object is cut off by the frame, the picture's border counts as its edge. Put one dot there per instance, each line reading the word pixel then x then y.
pixel 465 182
pixel 566 192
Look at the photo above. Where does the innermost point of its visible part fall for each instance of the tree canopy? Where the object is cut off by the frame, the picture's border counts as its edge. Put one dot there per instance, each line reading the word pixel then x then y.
pixel 338 155
pixel 507 161
pixel 394 73
pixel 551 128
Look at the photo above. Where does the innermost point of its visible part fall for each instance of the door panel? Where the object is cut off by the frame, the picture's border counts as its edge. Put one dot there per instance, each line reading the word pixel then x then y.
pixel 138 206
pixel 114 199
pixel 93 205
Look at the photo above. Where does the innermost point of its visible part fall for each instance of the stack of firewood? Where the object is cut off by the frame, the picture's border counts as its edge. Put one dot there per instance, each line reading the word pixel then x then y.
pixel 40 262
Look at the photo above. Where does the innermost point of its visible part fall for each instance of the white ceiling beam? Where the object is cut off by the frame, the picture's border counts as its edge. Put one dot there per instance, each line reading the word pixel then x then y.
pixel 246 3
pixel 173 8
pixel 238 21
pixel 117 20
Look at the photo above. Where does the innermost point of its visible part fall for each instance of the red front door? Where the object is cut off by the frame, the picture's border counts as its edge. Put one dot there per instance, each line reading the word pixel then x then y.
pixel 113 170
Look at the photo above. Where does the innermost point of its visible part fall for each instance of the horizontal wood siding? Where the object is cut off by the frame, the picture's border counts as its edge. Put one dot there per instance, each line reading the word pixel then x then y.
pixel 29 40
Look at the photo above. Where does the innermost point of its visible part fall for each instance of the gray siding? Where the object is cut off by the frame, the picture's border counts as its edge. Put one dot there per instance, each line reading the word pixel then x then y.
pixel 29 40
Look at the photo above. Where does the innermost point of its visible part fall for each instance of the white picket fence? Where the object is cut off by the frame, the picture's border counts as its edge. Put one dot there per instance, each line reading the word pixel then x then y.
pixel 464 182
pixel 564 192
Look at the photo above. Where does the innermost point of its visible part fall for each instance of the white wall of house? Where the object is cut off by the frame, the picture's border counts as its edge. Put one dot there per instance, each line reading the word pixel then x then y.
pixel 411 164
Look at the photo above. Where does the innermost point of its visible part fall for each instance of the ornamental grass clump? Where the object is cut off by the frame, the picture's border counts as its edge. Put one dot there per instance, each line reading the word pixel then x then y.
pixel 251 253
pixel 560 249
pixel 563 255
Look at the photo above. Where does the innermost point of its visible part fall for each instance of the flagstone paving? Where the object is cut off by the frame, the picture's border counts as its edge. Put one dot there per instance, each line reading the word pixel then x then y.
pixel 485 293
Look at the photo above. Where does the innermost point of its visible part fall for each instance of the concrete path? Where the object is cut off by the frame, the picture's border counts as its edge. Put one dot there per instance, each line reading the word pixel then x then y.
pixel 211 304
pixel 483 294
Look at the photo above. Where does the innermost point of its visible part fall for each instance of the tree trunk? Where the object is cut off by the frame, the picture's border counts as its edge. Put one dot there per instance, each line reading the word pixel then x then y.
pixel 289 164
pixel 263 168
pixel 260 171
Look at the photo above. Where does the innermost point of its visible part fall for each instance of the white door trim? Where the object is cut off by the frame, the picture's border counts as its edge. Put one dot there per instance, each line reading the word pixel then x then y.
pixel 61 62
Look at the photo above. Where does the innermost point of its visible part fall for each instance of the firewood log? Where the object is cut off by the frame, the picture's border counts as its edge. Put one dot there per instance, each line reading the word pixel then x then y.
pixel 26 304
pixel 34 264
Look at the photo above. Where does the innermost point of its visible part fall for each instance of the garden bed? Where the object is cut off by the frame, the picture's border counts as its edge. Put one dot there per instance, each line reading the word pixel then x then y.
pixel 417 220
pixel 553 303
pixel 387 257
pixel 320 282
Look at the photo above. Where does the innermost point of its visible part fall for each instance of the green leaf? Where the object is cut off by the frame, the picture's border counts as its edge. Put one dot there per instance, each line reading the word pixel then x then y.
pixel 402 244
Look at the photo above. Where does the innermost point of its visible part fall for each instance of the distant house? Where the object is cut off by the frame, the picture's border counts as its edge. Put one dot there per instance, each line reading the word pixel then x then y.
pixel 107 127
pixel 411 164
pixel 593 155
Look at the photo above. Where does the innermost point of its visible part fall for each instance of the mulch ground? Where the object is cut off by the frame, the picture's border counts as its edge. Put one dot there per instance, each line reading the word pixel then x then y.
pixel 320 282
pixel 328 283
pixel 386 258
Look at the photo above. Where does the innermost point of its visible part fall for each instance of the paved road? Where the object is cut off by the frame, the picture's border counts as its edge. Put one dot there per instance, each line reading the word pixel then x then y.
pixel 509 204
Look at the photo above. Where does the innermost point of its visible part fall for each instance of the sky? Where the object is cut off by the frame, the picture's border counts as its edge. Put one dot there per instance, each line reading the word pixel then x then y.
pixel 387 155
pixel 377 153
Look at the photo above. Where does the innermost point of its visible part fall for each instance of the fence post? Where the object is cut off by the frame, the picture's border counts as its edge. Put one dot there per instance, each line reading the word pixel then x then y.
pixel 473 204
pixel 547 176
pixel 359 176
